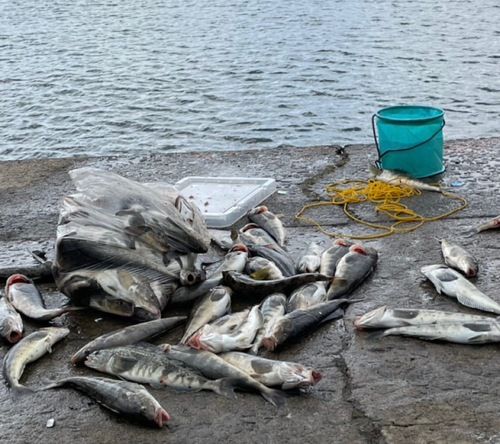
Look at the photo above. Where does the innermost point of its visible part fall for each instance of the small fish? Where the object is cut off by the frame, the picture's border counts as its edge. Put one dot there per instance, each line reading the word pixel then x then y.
pixel 275 254
pixel 272 308
pixel 262 269
pixel 245 285
pixel 332 255
pixel 240 339
pixel 226 324
pixel 306 296
pixel 269 222
pixel 384 317
pixel 493 223
pixel 128 335
pixel 211 306
pixel 128 399
pixel 352 270
pixel 272 373
pixel 310 260
pixel 22 293
pixel 458 258
pixel 29 349
pixel 300 322
pixel 394 178
pixel 213 366
pixel 145 363
pixel 453 284
pixel 11 324
pixel 474 332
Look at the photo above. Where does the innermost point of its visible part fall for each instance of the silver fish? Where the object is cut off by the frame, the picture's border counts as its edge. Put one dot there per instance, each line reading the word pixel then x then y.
pixel 29 349
pixel 11 324
pixel 262 269
pixel 22 293
pixel 276 255
pixel 272 308
pixel 240 339
pixel 310 260
pixel 493 223
pixel 213 366
pixel 144 363
pixel 128 399
pixel 211 306
pixel 395 178
pixel 272 373
pixel 306 296
pixel 226 324
pixel 458 258
pixel 332 255
pixel 268 222
pixel 352 270
pixel 128 335
pixel 384 317
pixel 453 284
pixel 474 332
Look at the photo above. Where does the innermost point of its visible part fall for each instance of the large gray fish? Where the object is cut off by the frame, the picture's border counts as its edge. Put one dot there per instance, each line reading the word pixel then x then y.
pixel 453 284
pixel 310 260
pixel 142 363
pixel 269 222
pixel 235 259
pixel 11 324
pixel 383 317
pixel 458 258
pixel 240 339
pixel 272 308
pixel 272 373
pixel 306 296
pixel 400 178
pixel 213 305
pixel 493 223
pixel 275 254
pixel 352 270
pixel 332 255
pixel 128 399
pixel 300 322
pixel 128 335
pixel 213 366
pixel 22 293
pixel 245 285
pixel 29 349
pixel 474 332
pixel 262 269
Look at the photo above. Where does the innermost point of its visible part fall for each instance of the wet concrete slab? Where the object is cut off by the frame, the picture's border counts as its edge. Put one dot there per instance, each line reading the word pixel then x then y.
pixel 390 390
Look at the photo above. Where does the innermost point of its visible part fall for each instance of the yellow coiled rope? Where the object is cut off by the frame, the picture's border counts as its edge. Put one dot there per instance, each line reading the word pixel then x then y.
pixel 387 198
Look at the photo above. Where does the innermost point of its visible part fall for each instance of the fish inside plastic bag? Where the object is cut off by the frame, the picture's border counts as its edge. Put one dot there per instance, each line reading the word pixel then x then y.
pixel 123 246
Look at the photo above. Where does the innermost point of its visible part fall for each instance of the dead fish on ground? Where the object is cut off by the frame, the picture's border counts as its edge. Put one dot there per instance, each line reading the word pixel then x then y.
pixel 276 255
pixel 272 373
pixel 453 284
pixel 128 399
pixel 300 322
pixel 272 308
pixel 269 222
pixel 226 324
pixel 493 223
pixel 29 349
pixel 458 258
pixel 11 324
pixel 22 293
pixel 213 305
pixel 310 260
pixel 352 270
pixel 144 363
pixel 384 317
pixel 332 255
pixel 400 178
pixel 262 269
pixel 213 366
pixel 474 332
pixel 128 335
pixel 306 296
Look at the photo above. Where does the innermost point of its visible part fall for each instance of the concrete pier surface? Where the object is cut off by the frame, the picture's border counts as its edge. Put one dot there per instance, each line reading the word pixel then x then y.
pixel 389 390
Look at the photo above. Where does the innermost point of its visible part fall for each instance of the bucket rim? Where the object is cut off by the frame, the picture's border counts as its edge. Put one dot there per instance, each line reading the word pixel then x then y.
pixel 440 113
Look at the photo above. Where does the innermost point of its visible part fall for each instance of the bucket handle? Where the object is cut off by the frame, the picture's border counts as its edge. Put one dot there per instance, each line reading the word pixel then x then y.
pixel 378 163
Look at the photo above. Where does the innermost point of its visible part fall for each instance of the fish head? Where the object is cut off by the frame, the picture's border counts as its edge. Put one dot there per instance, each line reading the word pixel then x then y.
pixel 468 266
pixel 160 416
pixel 257 210
pixel 296 375
pixel 368 318
pixel 98 359
pixel 79 357
pixel 194 342
pixel 429 270
pixel 11 330
pixel 16 279
pixel 239 247
pixel 190 277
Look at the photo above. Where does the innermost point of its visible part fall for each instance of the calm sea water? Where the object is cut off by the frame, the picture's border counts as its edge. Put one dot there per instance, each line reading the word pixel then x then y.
pixel 130 76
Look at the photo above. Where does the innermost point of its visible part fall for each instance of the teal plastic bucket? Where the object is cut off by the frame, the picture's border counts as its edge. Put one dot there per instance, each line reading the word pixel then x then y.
pixel 410 138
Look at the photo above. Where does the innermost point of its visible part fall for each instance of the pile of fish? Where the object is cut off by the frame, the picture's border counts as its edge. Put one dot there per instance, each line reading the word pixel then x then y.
pixel 131 249
pixel 455 327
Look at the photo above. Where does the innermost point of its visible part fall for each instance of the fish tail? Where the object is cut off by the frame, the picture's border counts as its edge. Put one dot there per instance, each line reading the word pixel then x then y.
pixel 21 390
pixel 226 387
pixel 373 169
pixel 470 232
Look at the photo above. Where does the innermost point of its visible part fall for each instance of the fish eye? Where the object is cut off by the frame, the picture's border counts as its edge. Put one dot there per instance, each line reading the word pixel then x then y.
pixel 144 409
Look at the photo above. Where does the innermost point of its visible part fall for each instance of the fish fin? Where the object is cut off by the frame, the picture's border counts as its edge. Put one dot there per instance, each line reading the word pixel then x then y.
pixel 21 390
pixel 261 274
pixel 337 314
pixel 227 385
pixel 157 385
pixel 377 335
pixel 478 339
pixel 276 397
pixel 123 364
pixel 373 169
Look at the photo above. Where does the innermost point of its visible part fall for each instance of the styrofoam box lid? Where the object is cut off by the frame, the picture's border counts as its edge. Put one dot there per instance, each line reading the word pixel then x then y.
pixel 223 200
